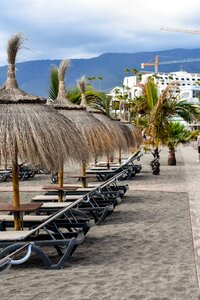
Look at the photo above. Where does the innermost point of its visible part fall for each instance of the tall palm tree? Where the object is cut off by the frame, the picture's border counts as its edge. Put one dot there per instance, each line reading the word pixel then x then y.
pixel 159 110
pixel 176 134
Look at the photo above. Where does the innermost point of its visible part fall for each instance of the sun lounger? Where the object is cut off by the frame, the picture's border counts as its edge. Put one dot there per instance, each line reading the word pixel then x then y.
pixel 53 198
pixel 8 260
pixel 43 236
pixel 134 156
pixel 69 220
pixel 103 173
pixel 98 202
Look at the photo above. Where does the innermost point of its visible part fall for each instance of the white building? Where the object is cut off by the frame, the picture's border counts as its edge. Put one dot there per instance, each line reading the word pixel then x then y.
pixel 188 89
pixel 188 85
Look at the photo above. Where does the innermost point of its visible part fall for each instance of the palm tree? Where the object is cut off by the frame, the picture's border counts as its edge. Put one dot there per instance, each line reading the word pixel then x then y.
pixel 95 99
pixel 127 70
pixel 74 95
pixel 98 100
pixel 141 106
pixel 159 110
pixel 176 134
pixel 54 83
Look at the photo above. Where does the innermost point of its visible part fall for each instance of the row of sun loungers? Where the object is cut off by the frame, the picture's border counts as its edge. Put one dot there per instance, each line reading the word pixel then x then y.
pixel 61 225
pixel 103 173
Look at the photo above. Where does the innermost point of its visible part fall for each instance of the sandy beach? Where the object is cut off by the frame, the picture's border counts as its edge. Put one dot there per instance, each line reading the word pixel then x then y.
pixel 143 251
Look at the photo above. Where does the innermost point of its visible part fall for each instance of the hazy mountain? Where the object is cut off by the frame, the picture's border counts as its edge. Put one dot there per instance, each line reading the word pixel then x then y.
pixel 33 76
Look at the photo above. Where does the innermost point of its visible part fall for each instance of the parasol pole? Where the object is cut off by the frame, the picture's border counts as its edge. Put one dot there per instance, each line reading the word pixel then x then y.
pixel 60 183
pixel 81 85
pixel 108 161
pixel 120 155
pixel 84 184
pixel 16 197
pixel 14 46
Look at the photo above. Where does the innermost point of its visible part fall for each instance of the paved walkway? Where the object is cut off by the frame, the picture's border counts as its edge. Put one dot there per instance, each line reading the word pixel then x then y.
pixel 169 181
pixel 192 170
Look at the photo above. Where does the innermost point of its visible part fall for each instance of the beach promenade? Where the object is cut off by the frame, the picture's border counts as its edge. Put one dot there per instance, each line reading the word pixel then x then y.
pixel 148 249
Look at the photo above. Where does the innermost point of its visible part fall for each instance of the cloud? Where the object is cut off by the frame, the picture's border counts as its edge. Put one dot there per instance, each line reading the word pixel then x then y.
pixel 85 28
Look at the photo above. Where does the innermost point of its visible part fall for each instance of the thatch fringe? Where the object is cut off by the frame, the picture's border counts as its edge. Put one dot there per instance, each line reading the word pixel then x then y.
pixel 40 134
pixel 114 131
pixel 15 43
pixel 92 130
pixel 128 134
pixel 81 83
pixel 136 132
pixel 35 130
pixel 64 65
pixel 15 95
pixel 95 132
pixel 13 47
pixel 10 93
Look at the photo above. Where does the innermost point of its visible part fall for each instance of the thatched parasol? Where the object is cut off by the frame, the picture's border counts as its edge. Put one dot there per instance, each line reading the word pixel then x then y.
pixel 30 130
pixel 113 128
pixel 129 135
pixel 94 132
pixel 135 131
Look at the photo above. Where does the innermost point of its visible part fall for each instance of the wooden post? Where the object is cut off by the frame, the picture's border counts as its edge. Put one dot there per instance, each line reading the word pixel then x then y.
pixel 95 161
pixel 120 155
pixel 84 183
pixel 60 183
pixel 108 162
pixel 16 197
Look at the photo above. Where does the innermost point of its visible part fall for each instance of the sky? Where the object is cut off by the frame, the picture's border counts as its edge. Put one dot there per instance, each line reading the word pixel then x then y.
pixel 58 29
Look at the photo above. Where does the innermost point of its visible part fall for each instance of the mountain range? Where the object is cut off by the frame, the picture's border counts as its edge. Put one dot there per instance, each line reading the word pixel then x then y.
pixel 109 69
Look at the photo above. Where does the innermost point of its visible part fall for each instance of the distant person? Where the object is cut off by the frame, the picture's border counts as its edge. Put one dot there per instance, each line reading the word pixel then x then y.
pixel 198 146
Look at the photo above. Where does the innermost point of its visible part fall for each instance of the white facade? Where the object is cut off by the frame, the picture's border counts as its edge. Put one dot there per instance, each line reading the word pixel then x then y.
pixel 189 84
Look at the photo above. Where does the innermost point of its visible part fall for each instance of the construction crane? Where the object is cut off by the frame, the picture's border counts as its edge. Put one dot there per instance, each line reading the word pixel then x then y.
pixel 168 62
pixel 155 64
pixel 180 30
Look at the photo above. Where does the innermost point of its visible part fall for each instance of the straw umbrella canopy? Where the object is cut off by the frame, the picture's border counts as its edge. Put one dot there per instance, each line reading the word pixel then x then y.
pixel 30 130
pixel 135 131
pixel 94 131
pixel 129 135
pixel 115 131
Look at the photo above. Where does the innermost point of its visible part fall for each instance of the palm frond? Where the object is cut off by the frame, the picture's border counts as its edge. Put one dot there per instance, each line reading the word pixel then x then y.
pixel 54 83
pixel 74 95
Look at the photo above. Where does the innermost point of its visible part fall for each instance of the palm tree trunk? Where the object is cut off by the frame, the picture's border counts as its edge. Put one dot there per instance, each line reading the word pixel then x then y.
pixel 171 157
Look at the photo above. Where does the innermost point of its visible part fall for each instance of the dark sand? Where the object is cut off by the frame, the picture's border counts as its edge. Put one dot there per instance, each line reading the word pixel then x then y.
pixel 143 251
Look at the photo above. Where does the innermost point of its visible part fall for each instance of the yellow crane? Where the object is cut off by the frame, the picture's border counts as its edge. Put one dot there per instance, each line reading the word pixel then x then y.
pixel 180 30
pixel 155 64
pixel 168 62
